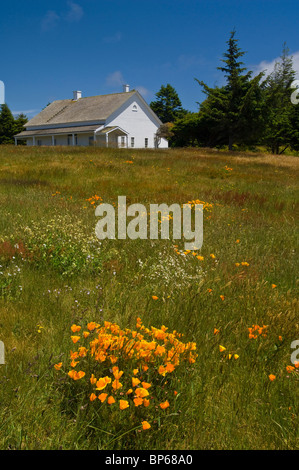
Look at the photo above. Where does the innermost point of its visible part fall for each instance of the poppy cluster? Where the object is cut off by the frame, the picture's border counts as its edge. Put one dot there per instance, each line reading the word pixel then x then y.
pixel 128 368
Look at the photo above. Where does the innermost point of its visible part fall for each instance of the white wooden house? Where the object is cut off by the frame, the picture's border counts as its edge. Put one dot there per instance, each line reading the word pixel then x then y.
pixel 115 120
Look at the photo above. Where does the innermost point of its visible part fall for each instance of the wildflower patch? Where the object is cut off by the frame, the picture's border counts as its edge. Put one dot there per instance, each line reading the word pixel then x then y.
pixel 129 370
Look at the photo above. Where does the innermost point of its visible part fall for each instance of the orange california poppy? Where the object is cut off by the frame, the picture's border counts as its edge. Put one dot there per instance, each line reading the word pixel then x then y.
pixel 110 400
pixel 75 328
pixel 135 381
pixel 138 401
pixel 75 339
pixel 123 404
pixel 145 425
pixel 164 405
pixel 103 397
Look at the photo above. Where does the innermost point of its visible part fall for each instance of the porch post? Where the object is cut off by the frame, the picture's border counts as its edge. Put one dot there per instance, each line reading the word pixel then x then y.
pixel 53 140
pixel 16 141
pixel 106 140
pixel 33 140
pixel 73 137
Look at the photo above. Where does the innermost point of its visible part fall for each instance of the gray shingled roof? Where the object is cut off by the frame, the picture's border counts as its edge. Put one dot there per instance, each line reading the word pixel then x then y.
pixel 93 108
pixel 58 130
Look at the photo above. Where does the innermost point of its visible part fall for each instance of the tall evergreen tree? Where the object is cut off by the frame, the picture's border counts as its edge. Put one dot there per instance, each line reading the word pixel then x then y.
pixel 167 106
pixel 279 131
pixel 7 125
pixel 19 126
pixel 232 112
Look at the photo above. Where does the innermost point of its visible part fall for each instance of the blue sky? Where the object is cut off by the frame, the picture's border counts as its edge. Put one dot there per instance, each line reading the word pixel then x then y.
pixel 50 48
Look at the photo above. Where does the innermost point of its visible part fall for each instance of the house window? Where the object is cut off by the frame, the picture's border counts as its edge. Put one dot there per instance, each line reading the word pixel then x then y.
pixel 90 140
pixel 134 108
pixel 39 142
pixel 122 141
pixel 146 142
pixel 69 139
pixel 132 141
pixel 76 139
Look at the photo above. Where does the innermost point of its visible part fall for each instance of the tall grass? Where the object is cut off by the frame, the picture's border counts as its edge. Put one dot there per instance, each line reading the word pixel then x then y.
pixel 54 273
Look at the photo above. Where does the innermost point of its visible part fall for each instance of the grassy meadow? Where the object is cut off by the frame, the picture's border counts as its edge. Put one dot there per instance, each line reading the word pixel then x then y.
pixel 80 317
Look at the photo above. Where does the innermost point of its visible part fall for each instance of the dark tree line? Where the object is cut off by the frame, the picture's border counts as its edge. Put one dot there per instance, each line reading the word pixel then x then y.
pixel 247 111
pixel 10 126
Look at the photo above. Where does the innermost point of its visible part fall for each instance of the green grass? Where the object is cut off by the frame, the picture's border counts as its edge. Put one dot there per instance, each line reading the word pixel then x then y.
pixel 54 273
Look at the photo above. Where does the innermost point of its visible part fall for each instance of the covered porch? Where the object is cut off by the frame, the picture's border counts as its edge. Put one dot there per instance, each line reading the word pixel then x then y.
pixel 95 135
pixel 114 137
pixel 71 136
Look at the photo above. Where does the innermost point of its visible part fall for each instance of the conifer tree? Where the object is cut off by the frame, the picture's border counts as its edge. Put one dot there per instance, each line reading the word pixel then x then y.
pixel 167 106
pixel 20 122
pixel 232 112
pixel 7 125
pixel 279 130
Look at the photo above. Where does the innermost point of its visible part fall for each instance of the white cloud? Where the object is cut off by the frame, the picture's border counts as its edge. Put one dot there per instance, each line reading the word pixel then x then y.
pixel 75 12
pixel 113 39
pixel 268 66
pixel 27 112
pixel 50 20
pixel 115 79
pixel 143 91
